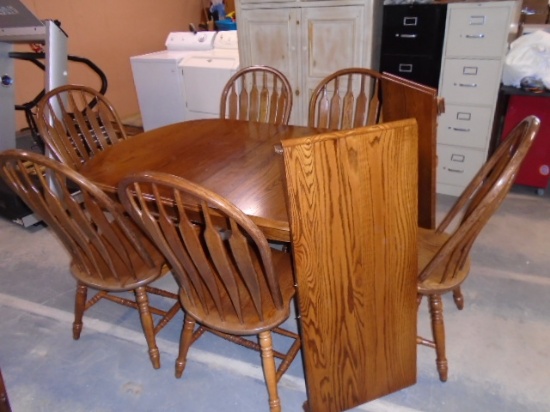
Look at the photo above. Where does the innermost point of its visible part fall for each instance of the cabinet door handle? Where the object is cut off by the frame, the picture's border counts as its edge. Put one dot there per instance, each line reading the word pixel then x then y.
pixel 475 36
pixel 406 36
pixel 460 129
pixel 455 171
pixel 467 84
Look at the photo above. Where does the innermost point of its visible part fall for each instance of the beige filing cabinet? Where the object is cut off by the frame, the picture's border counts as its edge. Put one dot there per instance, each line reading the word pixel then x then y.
pixel 476 41
pixel 308 40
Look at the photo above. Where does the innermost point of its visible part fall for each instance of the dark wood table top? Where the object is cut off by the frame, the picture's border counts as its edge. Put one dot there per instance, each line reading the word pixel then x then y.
pixel 235 159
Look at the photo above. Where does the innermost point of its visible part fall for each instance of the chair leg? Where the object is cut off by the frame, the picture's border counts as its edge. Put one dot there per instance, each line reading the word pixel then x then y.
pixel 148 325
pixel 438 330
pixel 185 343
pixel 79 308
pixel 418 300
pixel 458 298
pixel 270 371
pixel 4 402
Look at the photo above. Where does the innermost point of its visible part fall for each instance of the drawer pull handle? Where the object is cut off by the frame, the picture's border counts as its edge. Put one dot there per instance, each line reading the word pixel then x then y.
pixel 455 171
pixel 460 129
pixel 475 36
pixel 407 36
pixel 467 84
pixel 405 68
pixel 410 21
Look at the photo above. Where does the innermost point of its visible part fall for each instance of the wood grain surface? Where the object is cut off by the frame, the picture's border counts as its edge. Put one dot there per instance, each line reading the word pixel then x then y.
pixel 352 199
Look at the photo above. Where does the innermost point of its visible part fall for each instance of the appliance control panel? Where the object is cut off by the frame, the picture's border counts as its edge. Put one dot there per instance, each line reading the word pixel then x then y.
pixel 226 40
pixel 189 41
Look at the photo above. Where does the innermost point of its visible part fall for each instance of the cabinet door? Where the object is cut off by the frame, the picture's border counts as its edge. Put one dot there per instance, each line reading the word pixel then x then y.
pixel 331 39
pixel 268 37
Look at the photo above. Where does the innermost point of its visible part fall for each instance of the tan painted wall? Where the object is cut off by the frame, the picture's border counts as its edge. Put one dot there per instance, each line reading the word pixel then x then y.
pixel 107 32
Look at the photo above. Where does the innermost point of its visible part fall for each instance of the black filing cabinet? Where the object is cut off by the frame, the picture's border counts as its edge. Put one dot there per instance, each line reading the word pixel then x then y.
pixel 412 41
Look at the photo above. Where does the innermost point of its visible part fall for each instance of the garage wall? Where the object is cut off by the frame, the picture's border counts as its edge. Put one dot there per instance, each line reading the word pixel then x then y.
pixel 107 32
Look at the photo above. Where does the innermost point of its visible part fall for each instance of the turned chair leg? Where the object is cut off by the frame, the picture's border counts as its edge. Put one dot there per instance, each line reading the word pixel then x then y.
pixel 185 342
pixel 148 325
pixel 270 371
pixel 4 401
pixel 458 298
pixel 438 330
pixel 79 308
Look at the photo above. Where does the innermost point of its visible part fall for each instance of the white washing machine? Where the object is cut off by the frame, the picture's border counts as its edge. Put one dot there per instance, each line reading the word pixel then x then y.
pixel 206 74
pixel 158 78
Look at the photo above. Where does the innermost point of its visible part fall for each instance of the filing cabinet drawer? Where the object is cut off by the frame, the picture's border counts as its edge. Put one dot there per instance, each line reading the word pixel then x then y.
pixel 458 165
pixel 471 81
pixel 413 29
pixel 421 69
pixel 477 32
pixel 465 126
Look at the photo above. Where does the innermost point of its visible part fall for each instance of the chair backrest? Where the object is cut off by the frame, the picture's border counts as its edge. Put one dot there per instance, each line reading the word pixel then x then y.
pixel 480 200
pixel 352 200
pixel 346 99
pixel 220 258
pixel 259 94
pixel 76 122
pixel 103 242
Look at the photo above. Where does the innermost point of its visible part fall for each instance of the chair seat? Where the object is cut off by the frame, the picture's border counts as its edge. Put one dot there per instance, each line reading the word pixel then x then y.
pixel 252 325
pixel 429 244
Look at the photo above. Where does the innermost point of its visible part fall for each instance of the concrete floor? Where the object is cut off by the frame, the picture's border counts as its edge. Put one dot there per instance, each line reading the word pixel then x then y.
pixel 497 349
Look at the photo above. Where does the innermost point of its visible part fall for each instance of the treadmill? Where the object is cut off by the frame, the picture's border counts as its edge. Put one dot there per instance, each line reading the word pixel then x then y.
pixel 19 25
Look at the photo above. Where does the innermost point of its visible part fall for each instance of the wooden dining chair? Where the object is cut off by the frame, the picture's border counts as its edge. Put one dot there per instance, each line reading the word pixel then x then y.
pixel 444 261
pixel 346 99
pixel 352 205
pixel 259 94
pixel 231 282
pixel 108 252
pixel 76 122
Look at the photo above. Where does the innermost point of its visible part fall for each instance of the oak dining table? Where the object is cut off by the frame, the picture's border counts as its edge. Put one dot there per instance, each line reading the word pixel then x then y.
pixel 236 159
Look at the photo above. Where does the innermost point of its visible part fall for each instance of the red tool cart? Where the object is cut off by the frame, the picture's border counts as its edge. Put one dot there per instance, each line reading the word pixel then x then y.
pixel 535 170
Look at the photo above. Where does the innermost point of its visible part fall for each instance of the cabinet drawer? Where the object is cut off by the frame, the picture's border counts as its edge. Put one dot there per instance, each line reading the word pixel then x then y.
pixel 471 81
pixel 458 165
pixel 421 69
pixel 413 29
pixel 477 31
pixel 465 126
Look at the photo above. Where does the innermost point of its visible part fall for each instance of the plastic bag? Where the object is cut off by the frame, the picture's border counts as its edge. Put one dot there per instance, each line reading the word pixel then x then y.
pixel 529 56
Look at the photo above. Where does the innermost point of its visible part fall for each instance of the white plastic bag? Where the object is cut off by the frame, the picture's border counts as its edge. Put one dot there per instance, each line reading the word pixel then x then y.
pixel 529 55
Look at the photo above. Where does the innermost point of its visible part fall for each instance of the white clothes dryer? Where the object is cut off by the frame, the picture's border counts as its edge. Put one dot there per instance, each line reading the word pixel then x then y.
pixel 206 74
